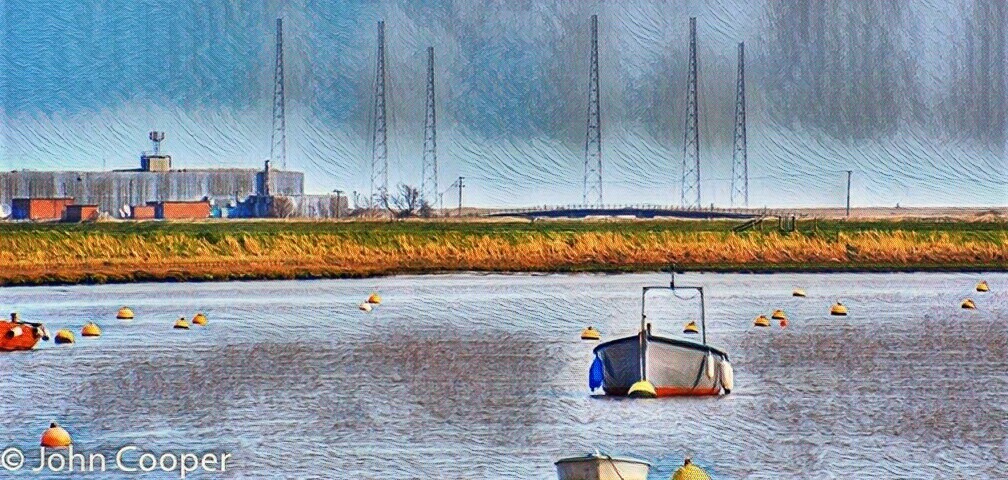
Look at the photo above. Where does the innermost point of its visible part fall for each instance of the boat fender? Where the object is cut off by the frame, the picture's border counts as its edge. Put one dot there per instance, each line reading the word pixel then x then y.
pixel 595 374
pixel 710 365
pixel 727 376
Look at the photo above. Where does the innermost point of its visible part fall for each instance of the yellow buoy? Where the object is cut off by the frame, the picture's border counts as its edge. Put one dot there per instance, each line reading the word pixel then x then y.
pixel 590 333
pixel 778 315
pixel 838 309
pixel 125 313
pixel 798 293
pixel 55 437
pixel 968 304
pixel 90 330
pixel 374 299
pixel 181 324
pixel 761 321
pixel 365 307
pixel 691 327
pixel 690 472
pixel 199 319
pixel 642 389
pixel 63 336
pixel 982 286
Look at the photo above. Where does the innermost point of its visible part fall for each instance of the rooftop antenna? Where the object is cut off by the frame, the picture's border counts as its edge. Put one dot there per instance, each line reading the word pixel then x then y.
pixel 593 136
pixel 278 141
pixel 156 138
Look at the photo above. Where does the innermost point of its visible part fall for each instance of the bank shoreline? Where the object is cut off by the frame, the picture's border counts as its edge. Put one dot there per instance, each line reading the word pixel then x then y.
pixel 48 281
pixel 34 254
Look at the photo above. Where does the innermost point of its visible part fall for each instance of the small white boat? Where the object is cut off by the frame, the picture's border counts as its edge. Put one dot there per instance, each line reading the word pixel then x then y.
pixel 666 367
pixel 599 466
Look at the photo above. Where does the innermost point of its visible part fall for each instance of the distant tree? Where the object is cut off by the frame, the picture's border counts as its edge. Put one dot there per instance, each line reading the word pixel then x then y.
pixel 426 211
pixel 281 207
pixel 405 202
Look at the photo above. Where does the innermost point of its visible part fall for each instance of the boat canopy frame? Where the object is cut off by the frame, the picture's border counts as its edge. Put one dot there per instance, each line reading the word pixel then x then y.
pixel 644 333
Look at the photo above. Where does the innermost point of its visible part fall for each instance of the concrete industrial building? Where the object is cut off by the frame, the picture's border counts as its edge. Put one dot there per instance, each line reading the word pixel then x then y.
pixel 233 192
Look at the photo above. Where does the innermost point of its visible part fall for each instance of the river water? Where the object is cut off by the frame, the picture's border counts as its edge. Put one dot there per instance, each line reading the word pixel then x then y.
pixel 483 376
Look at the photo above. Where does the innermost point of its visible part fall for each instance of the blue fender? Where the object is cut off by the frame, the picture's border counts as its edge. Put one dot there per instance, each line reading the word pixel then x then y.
pixel 595 374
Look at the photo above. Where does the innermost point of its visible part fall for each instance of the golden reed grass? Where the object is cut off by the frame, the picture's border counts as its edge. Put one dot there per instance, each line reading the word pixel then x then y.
pixel 54 256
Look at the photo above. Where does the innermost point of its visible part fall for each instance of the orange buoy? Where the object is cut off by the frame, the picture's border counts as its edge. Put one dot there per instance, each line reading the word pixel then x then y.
pixel 838 309
pixel 982 286
pixel 778 315
pixel 55 437
pixel 199 319
pixel 968 304
pixel 374 298
pixel 798 292
pixel 783 323
pixel 90 330
pixel 589 333
pixel 63 336
pixel 125 313
pixel 181 324
pixel 761 321
pixel 691 327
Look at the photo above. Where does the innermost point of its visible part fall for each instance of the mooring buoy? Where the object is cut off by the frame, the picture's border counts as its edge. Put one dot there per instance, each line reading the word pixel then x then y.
pixel 55 437
pixel 90 330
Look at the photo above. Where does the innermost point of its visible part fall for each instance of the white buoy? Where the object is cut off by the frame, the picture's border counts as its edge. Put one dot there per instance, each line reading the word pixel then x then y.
pixel 365 307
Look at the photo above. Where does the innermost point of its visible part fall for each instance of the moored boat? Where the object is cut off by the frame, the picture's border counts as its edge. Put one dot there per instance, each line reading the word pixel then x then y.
pixel 17 335
pixel 599 466
pixel 672 366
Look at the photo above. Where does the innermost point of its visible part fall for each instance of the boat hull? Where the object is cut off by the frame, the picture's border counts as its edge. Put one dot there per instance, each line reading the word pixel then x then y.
pixel 674 367
pixel 602 468
pixel 16 336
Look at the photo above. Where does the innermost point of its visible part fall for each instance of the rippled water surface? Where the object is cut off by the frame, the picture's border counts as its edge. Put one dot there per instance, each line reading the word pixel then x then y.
pixel 473 376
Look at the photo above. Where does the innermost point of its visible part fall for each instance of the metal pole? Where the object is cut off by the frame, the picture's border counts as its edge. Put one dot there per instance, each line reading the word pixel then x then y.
pixel 642 342
pixel 703 319
pixel 460 185
pixel 848 192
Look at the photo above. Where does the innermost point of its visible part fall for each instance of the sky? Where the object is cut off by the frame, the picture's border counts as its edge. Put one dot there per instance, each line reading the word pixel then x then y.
pixel 911 96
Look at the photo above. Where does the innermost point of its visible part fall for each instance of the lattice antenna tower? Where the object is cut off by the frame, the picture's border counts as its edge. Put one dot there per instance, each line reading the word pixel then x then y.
pixel 379 135
pixel 278 139
pixel 691 136
pixel 740 162
pixel 429 186
pixel 593 136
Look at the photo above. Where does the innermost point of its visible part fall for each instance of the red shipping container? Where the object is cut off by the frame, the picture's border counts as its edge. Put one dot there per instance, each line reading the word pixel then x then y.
pixel 182 210
pixel 39 208
pixel 79 213
pixel 142 212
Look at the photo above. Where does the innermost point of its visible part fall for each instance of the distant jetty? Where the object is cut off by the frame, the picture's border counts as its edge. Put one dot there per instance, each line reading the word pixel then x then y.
pixel 204 251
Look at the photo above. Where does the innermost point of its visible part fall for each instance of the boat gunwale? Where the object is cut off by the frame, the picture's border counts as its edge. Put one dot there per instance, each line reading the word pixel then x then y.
pixel 671 341
pixel 592 456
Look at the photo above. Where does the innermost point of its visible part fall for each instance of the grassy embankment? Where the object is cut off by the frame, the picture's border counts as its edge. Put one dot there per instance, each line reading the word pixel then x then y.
pixel 123 252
